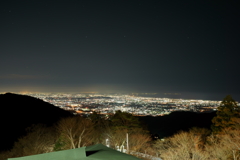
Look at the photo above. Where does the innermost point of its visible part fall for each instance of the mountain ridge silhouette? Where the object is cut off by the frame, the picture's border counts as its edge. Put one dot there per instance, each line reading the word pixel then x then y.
pixel 18 112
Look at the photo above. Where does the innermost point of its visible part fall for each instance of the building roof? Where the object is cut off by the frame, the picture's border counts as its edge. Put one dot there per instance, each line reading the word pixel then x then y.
pixel 95 152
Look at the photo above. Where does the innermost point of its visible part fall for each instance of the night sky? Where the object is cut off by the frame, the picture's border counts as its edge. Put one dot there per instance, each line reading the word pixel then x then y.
pixel 189 47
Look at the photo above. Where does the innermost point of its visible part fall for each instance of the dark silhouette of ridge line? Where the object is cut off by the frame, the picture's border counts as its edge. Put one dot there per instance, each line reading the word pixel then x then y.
pixel 17 112
pixel 168 125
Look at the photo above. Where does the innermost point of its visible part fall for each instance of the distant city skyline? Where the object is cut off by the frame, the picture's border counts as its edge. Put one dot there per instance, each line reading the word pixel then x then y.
pixel 173 95
pixel 137 105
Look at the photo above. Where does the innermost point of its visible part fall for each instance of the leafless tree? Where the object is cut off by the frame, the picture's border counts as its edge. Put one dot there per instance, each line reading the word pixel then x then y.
pixel 5 155
pixel 39 139
pixel 180 146
pixel 76 132
pixel 138 141
pixel 215 149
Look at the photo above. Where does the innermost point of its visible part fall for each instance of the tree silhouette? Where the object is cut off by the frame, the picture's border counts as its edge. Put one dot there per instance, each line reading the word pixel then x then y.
pixel 39 139
pixel 124 120
pixel 75 132
pixel 123 123
pixel 101 125
pixel 227 113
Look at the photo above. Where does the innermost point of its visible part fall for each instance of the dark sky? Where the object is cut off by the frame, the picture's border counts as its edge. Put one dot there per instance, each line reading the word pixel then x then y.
pixel 189 47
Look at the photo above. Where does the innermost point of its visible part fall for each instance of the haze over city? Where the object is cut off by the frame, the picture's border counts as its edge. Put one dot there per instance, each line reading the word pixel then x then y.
pixel 180 49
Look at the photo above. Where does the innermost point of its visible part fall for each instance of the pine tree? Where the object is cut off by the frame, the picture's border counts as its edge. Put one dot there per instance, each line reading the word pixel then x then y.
pixel 226 116
pixel 125 120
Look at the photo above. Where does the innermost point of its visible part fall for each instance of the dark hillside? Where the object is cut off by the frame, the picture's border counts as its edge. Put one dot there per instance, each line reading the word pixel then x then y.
pixel 17 112
pixel 170 124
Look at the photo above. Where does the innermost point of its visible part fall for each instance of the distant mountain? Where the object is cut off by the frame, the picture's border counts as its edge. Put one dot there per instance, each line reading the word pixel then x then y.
pixel 165 126
pixel 17 112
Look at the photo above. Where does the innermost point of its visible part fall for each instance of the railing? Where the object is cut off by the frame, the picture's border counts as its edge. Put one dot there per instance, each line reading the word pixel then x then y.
pixel 139 154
